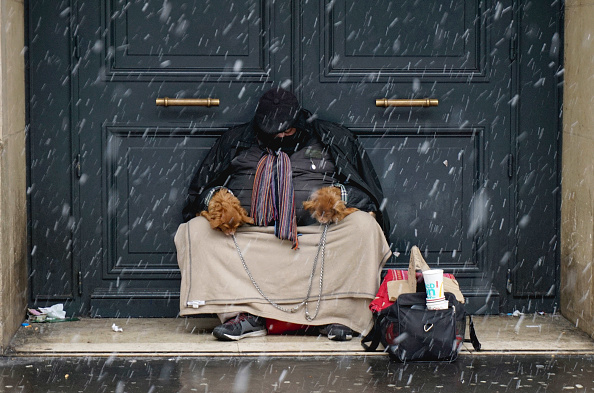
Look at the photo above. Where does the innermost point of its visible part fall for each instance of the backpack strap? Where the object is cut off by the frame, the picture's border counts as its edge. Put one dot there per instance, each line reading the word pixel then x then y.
pixel 374 336
pixel 473 338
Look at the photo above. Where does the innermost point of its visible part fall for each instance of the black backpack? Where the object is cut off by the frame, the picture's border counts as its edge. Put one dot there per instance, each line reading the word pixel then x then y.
pixel 410 332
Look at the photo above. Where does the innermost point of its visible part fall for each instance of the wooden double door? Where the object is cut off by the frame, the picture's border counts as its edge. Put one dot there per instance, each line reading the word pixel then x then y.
pixel 473 181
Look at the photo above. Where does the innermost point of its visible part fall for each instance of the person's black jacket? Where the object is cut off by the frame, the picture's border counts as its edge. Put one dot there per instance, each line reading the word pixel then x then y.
pixel 353 166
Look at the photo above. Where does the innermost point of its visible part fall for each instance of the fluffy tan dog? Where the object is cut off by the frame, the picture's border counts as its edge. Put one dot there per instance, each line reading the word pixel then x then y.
pixel 225 213
pixel 326 206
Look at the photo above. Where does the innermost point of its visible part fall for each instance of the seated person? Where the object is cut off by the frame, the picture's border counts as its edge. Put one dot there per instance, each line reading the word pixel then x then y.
pixel 316 265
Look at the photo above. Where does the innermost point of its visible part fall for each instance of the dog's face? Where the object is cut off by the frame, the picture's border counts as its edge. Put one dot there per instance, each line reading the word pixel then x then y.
pixel 225 213
pixel 326 206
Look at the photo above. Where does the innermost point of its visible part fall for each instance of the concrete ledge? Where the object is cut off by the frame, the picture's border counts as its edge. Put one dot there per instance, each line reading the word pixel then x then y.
pixel 190 337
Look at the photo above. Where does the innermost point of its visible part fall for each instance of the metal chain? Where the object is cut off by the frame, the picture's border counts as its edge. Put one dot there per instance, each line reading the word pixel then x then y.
pixel 322 248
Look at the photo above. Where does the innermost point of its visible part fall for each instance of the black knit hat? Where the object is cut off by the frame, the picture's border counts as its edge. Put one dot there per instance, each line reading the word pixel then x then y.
pixel 277 111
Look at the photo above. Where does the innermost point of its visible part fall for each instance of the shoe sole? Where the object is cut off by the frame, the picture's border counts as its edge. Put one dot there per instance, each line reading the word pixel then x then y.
pixel 228 337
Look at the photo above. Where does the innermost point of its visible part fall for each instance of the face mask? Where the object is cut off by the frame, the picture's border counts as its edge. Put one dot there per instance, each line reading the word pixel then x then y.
pixel 287 144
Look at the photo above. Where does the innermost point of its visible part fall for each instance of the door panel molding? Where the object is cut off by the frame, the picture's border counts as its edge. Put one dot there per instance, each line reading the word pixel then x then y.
pixel 452 47
pixel 147 173
pixel 114 302
pixel 230 50
pixel 440 169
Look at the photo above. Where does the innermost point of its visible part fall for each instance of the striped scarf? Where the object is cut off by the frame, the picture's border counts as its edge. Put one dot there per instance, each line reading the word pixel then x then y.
pixel 275 200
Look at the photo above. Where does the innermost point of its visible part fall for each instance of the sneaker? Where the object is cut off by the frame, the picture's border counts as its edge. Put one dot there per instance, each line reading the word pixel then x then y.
pixel 241 326
pixel 337 332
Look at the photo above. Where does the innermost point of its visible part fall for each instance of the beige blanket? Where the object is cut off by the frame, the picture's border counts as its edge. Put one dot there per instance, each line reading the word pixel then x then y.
pixel 215 281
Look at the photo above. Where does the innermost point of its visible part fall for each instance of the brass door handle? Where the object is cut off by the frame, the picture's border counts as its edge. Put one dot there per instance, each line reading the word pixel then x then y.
pixel 423 102
pixel 208 102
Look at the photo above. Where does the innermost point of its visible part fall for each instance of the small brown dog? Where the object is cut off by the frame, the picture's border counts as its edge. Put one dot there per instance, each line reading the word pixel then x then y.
pixel 225 212
pixel 326 206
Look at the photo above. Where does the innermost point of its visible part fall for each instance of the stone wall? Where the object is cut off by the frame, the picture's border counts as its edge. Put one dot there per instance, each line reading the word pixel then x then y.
pixel 577 210
pixel 13 164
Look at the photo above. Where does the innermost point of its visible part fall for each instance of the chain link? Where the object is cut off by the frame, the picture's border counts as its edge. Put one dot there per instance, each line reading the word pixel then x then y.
pixel 322 250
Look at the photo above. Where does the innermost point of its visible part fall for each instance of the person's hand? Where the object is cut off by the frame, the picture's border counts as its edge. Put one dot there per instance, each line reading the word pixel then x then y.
pixel 225 212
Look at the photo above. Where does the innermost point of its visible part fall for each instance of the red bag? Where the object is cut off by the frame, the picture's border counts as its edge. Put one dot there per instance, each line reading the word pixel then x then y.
pixel 382 299
pixel 274 326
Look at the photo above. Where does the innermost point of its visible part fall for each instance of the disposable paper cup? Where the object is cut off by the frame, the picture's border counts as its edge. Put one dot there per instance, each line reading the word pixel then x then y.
pixel 438 305
pixel 434 284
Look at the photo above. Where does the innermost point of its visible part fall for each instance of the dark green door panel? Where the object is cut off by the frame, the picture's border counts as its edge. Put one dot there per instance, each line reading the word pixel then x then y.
pixel 144 155
pixel 535 270
pixel 52 204
pixel 441 167
pixel 473 182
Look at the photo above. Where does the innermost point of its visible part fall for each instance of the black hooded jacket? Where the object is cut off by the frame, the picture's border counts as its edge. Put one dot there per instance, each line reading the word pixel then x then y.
pixel 353 166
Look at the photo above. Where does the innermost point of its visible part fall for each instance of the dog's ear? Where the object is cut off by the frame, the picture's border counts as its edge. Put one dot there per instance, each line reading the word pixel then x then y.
pixel 247 219
pixel 350 210
pixel 308 205
pixel 215 220
pixel 226 213
pixel 241 217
